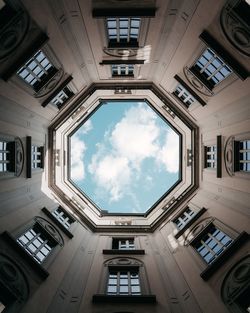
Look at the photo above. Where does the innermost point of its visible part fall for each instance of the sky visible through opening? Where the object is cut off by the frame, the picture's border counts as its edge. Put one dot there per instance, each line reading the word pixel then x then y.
pixel 124 157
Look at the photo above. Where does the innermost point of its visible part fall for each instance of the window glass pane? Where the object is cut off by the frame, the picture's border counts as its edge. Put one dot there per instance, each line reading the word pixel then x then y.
pixel 112 289
pixel 124 289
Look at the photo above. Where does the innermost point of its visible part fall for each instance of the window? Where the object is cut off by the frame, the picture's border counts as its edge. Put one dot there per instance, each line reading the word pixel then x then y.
pixel 211 244
pixel 62 97
pixel 185 97
pixel 184 218
pixel 37 242
pixel 210 156
pixel 7 156
pixel 123 31
pixel 37 157
pixel 124 282
pixel 63 217
pixel 37 71
pixel 242 155
pixel 122 70
pixel 123 243
pixel 211 69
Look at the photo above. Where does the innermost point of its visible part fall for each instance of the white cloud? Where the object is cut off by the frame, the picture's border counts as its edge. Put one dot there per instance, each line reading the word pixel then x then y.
pixel 111 173
pixel 86 127
pixel 135 136
pixel 77 155
pixel 78 149
pixel 169 153
pixel 116 165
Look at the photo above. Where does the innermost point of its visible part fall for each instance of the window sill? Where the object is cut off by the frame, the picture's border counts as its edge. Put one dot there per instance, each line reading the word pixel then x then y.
pixel 24 255
pixel 219 261
pixel 103 298
pixel 127 251
pixel 52 217
pixel 195 218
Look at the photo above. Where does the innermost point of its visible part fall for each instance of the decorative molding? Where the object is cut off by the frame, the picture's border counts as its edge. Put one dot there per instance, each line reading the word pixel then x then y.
pixel 197 83
pixel 13 278
pixel 190 90
pixel 235 29
pixel 229 155
pixel 236 281
pixel 124 262
pixel 50 229
pixel 121 52
pixel 188 224
pixel 197 230
pixel 12 34
pixel 19 156
pixel 51 84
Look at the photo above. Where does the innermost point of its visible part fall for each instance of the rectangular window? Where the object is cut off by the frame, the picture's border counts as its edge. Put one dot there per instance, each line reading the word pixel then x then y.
pixel 244 155
pixel 37 243
pixel 36 157
pixel 63 217
pixel 123 243
pixel 211 69
pixel 184 218
pixel 212 244
pixel 185 97
pixel 37 71
pixel 62 97
pixel 122 70
pixel 123 30
pixel 211 156
pixel 7 156
pixel 124 282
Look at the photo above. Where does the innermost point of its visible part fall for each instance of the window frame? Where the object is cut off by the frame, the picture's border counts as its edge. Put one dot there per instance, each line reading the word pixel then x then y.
pixel 200 72
pixel 238 160
pixel 37 233
pixel 199 239
pixel 67 92
pixel 7 156
pixel 47 73
pixel 199 230
pixel 119 284
pixel 115 246
pixel 123 70
pixel 198 212
pixel 128 41
pixel 123 264
pixel 213 154
pixel 182 92
pixel 66 231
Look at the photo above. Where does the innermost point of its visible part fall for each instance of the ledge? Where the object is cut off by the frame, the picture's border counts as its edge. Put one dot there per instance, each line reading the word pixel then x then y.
pixel 103 298
pixel 220 260
pixel 128 251
pixel 55 220
pixel 24 255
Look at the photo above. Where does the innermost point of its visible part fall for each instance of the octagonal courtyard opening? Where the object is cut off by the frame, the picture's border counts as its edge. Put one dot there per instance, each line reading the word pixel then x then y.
pixel 125 157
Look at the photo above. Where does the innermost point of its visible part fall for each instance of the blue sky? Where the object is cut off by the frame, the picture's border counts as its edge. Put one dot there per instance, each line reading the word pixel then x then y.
pixel 124 157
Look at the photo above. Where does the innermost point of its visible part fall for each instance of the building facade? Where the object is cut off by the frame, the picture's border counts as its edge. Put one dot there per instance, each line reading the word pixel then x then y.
pixel 190 60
